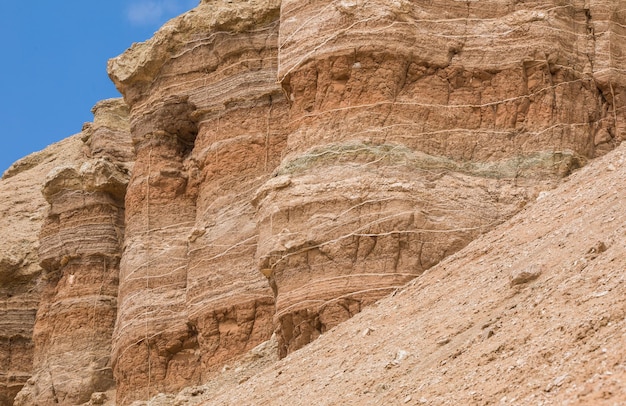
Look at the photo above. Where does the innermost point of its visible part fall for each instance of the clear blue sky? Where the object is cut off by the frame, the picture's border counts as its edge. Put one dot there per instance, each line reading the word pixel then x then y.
pixel 53 64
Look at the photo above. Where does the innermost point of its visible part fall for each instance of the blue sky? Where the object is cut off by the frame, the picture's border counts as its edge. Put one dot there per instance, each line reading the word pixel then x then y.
pixel 53 65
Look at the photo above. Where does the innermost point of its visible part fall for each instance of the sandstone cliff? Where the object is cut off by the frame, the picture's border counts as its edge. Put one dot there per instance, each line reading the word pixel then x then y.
pixel 21 277
pixel 277 166
pixel 206 121
pixel 79 247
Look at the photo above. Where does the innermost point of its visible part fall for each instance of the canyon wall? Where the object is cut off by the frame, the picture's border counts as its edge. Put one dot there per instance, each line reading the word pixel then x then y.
pixel 277 166
pixel 414 127
pixel 531 313
pixel 347 147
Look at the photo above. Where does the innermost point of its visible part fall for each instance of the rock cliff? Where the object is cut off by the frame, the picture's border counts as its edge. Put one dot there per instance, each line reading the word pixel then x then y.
pixel 277 166
pixel 530 313
pixel 206 119
pixel 80 246
pixel 21 277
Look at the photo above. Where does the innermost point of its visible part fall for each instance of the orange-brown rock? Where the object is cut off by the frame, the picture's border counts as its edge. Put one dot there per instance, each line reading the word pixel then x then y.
pixel 406 137
pixel 463 333
pixel 22 213
pixel 80 249
pixel 414 127
pixel 207 118
pixel 277 166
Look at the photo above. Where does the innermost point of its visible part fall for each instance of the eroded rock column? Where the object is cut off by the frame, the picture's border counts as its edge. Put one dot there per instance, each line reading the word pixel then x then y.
pixel 81 241
pixel 152 337
pixel 21 216
pixel 196 255
pixel 240 140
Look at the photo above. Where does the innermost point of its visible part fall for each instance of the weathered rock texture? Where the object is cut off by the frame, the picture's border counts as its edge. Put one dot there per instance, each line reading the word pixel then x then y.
pixel 402 132
pixel 414 127
pixel 206 121
pixel 296 161
pixel 80 249
pixel 22 213
pixel 464 334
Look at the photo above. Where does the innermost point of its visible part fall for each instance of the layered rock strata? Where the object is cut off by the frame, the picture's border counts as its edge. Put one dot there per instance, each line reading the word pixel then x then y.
pixel 429 124
pixel 23 211
pixel 207 117
pixel 534 312
pixel 331 247
pixel 293 162
pixel 389 105
pixel 80 250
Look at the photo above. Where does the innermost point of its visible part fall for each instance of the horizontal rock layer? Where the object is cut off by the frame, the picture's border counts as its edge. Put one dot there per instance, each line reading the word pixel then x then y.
pixel 331 247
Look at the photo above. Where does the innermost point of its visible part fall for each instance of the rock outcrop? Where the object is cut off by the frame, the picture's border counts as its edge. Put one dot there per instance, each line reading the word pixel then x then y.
pixel 21 277
pixel 206 121
pixel 276 166
pixel 80 249
pixel 413 129
pixel 469 331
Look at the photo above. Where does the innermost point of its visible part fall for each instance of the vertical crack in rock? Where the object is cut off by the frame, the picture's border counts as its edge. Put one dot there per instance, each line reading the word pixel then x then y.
pixel 607 27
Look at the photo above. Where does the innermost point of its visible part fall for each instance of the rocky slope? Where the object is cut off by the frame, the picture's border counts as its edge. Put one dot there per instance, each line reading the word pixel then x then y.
pixel 276 167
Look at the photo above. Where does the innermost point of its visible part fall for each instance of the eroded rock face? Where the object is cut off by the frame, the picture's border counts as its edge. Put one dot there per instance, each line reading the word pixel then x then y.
pixel 331 247
pixel 207 117
pixel 465 333
pixel 80 250
pixel 416 127
pixel 277 166
pixel 22 213
pixel 410 129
